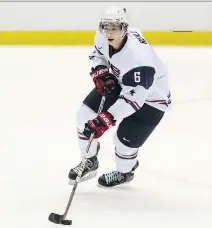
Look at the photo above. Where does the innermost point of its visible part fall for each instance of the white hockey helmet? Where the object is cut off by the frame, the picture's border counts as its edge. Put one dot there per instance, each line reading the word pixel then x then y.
pixel 115 15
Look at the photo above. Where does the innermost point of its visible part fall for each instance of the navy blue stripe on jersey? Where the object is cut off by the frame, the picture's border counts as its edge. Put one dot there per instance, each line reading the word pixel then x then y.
pixel 143 76
pixel 98 51
pixel 134 104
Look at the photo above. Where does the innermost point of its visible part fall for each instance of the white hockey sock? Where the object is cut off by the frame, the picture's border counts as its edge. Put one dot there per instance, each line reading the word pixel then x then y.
pixel 82 142
pixel 85 114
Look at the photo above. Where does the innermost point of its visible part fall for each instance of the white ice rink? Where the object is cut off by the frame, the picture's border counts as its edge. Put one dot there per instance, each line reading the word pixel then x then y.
pixel 41 89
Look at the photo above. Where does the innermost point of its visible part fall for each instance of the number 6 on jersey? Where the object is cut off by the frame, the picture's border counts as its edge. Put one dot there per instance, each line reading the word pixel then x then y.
pixel 137 76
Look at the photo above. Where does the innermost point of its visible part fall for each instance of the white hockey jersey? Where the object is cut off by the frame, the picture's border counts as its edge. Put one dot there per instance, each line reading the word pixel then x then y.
pixel 141 74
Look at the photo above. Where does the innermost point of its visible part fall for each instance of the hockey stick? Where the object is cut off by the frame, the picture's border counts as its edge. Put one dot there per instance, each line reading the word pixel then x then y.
pixel 61 219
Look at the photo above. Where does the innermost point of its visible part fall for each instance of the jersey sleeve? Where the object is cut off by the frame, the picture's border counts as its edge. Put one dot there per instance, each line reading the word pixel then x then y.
pixel 137 79
pixel 96 55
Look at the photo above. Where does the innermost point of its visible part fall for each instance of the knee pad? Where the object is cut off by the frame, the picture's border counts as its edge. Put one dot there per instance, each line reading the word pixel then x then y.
pixel 133 134
pixel 127 138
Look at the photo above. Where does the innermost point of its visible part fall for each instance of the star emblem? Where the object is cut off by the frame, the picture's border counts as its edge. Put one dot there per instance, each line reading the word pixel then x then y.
pixel 132 92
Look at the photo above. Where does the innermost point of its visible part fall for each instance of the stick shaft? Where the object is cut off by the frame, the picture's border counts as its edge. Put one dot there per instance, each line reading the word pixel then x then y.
pixel 84 159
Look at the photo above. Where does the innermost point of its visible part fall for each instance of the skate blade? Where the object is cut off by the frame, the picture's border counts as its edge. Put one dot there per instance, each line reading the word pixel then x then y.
pixel 88 176
pixel 122 185
pixel 115 186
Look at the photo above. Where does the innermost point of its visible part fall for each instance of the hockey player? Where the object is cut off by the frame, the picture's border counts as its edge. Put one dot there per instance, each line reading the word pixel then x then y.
pixel 127 71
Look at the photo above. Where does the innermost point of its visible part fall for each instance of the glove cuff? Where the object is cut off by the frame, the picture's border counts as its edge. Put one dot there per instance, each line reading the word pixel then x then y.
pixel 107 119
pixel 99 71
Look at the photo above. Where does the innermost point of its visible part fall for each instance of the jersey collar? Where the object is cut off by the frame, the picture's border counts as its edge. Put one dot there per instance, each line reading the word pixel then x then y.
pixel 113 51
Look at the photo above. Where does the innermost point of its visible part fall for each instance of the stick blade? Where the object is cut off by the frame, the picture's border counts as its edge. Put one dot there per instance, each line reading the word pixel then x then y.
pixel 58 219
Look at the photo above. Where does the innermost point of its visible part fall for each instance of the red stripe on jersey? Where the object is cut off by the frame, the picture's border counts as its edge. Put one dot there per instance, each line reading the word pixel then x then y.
pixel 155 101
pixel 132 102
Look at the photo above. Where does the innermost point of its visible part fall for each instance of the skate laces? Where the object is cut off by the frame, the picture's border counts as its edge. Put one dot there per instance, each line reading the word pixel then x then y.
pixel 80 167
pixel 113 176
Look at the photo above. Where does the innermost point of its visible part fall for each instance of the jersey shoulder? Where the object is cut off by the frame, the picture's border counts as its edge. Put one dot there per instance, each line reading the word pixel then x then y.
pixel 138 35
pixel 99 38
pixel 139 49
pixel 135 31
pixel 140 65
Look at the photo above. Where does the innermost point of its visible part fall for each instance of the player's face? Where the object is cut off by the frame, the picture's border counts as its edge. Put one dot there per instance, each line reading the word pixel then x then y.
pixel 113 34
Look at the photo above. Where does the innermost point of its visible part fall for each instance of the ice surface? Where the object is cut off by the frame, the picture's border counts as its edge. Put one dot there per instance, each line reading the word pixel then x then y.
pixel 38 103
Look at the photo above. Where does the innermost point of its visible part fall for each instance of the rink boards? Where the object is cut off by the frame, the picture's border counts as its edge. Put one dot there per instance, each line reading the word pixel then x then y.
pixel 191 38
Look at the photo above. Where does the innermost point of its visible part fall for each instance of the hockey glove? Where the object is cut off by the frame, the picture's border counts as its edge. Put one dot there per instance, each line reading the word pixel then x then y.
pixel 105 82
pixel 99 125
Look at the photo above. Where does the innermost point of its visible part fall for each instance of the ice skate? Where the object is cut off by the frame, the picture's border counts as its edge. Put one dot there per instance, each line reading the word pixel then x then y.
pixel 116 178
pixel 89 171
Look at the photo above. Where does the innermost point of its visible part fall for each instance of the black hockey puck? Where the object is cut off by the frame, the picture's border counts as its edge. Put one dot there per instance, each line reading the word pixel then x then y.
pixel 58 219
